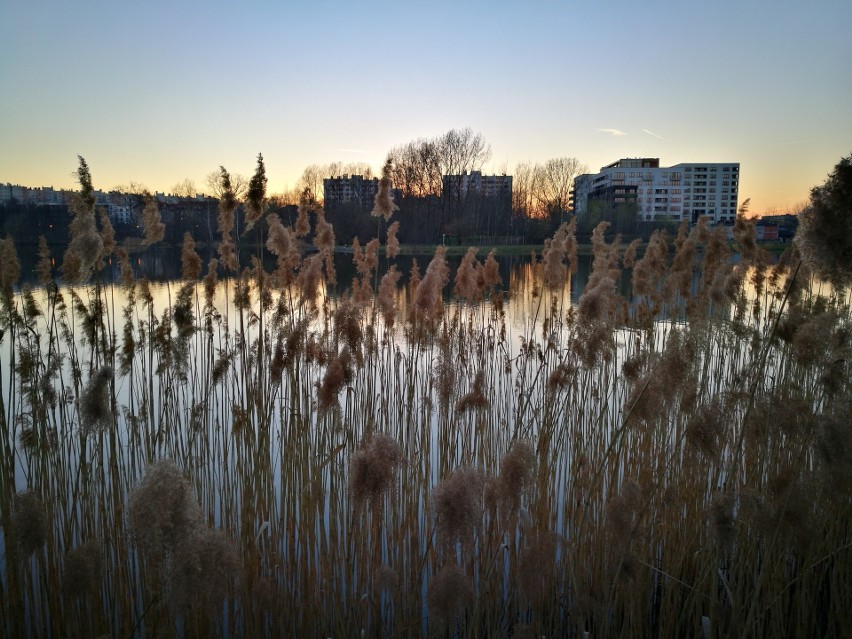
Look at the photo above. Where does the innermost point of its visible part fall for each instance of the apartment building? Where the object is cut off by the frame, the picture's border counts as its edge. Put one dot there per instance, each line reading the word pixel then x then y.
pixel 487 186
pixel 350 188
pixel 685 191
pixel 39 196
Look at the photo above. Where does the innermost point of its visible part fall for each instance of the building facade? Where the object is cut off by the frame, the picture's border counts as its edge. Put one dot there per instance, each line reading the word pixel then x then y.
pixel 350 188
pixel 39 196
pixel 487 186
pixel 686 191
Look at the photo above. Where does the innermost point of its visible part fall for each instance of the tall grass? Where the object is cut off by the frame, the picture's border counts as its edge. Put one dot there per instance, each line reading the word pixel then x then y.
pixel 267 454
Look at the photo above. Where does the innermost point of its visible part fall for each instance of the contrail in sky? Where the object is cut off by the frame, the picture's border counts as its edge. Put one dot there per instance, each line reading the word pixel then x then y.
pixel 654 134
pixel 613 132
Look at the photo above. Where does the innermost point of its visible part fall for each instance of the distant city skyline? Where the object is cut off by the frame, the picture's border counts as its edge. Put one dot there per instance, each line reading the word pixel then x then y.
pixel 163 92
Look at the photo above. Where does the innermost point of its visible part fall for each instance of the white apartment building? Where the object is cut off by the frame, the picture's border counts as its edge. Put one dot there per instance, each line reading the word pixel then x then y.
pixel 685 191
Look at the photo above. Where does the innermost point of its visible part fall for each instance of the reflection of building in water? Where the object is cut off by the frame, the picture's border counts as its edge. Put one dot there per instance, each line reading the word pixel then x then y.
pixel 349 188
pixel 686 191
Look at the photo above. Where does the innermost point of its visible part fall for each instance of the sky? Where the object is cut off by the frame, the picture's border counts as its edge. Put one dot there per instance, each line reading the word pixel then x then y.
pixel 163 91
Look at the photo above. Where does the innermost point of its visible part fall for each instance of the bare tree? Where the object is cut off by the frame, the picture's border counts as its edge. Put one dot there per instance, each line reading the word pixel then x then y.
pixel 524 200
pixel 462 151
pixel 185 189
pixel 239 185
pixel 311 179
pixel 554 180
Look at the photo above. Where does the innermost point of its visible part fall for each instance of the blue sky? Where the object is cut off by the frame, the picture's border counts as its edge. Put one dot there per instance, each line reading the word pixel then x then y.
pixel 157 92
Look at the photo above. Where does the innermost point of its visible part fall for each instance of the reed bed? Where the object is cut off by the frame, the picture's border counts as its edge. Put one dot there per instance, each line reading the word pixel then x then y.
pixel 247 453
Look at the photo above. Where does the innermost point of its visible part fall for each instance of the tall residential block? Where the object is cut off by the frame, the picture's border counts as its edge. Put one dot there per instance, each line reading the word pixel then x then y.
pixel 350 188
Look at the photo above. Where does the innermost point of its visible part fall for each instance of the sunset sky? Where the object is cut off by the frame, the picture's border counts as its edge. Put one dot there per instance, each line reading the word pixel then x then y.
pixel 160 91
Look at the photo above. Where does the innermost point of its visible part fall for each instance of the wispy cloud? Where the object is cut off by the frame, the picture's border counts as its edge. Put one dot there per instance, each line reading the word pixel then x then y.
pixel 659 137
pixel 616 133
pixel 351 150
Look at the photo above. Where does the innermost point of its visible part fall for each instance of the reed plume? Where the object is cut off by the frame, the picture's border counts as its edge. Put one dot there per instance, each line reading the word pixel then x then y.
pixel 107 233
pixel 10 271
pixel 384 205
pixel 29 521
pixel 489 274
pixel 256 196
pixel 205 564
pixel 162 511
pixel 152 224
pixel 307 204
pixel 428 304
pixel 373 471
pixel 562 247
pixel 227 208
pixel 457 506
pixel 465 285
pixel 83 570
pixel 44 268
pixel 475 399
pixel 85 243
pixel 538 564
pixel 387 294
pixel 282 243
pixel 190 260
pixel 324 241
pixel 392 245
pixel 516 476
pixel 648 275
pixel 365 259
pixel 96 402
pixel 385 579
pixel 338 374
pixel 126 278
pixel 448 594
